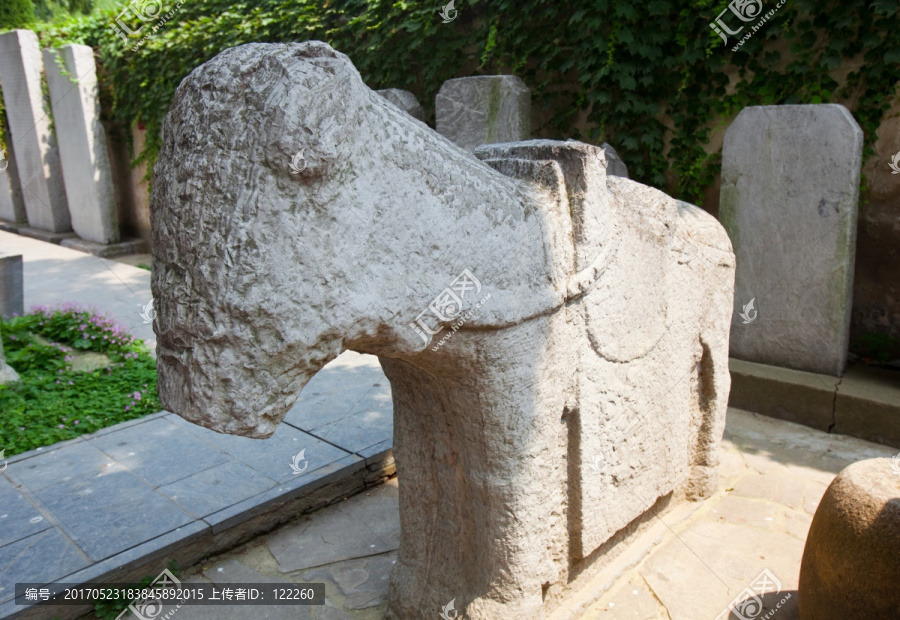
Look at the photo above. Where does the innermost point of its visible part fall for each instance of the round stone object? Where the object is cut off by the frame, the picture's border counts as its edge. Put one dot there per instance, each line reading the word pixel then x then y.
pixel 851 563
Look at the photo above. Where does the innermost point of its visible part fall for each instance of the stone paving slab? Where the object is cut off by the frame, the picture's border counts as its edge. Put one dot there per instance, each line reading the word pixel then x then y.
pixel 689 563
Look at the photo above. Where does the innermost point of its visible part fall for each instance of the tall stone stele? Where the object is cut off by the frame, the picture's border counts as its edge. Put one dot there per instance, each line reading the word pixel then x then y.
pixel 789 192
pixel 555 337
pixel 485 109
pixel 33 143
pixel 72 78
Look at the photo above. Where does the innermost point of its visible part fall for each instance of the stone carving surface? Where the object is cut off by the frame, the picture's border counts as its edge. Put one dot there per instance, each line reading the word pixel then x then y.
pixel 484 109
pixel 790 185
pixel 404 100
pixel 555 338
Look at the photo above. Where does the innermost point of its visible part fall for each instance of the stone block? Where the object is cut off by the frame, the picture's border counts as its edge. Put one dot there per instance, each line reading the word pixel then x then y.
pixel 74 91
pixel 45 235
pixel 106 250
pixel 36 154
pixel 586 379
pixel 867 405
pixel 485 109
pixel 404 100
pixel 852 554
pixel 792 395
pixel 12 291
pixel 789 191
pixel 615 167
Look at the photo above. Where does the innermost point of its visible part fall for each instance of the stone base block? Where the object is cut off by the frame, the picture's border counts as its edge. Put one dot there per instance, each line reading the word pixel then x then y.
pixel 10 227
pixel 45 235
pixel 130 246
pixel 792 395
pixel 865 403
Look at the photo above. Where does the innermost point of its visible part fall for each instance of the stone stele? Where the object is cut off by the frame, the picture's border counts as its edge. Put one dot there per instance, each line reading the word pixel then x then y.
pixel 404 100
pixel 555 338
pixel 484 109
pixel 851 562
pixel 790 184
pixel 82 142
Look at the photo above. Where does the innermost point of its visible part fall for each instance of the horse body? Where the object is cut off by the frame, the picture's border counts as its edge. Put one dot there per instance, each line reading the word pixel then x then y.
pixel 296 214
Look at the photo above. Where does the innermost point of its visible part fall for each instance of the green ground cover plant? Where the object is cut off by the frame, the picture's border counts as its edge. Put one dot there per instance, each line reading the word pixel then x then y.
pixel 79 372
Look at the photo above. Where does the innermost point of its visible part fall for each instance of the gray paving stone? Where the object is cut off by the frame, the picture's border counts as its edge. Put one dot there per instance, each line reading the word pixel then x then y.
pixel 273 456
pixel 19 518
pixel 110 513
pixel 216 488
pixel 370 422
pixel 147 450
pixel 300 485
pixel 40 558
pixel 333 393
pixel 76 460
pixel 362 526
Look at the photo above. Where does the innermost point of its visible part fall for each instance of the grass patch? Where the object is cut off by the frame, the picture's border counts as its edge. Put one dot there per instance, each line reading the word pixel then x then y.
pixel 79 372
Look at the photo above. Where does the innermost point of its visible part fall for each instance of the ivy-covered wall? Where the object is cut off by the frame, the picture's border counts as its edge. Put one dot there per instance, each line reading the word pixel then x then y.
pixel 650 77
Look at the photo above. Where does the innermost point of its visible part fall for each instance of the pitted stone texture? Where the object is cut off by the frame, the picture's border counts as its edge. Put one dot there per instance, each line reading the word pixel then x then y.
pixel 485 109
pixel 597 315
pixel 404 100
pixel 37 158
pixel 790 185
pixel 852 555
pixel 82 142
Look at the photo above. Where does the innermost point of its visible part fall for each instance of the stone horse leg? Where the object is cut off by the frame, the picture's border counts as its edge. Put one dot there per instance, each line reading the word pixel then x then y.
pixel 530 314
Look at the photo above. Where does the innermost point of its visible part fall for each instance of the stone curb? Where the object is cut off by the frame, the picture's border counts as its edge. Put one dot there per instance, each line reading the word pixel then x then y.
pixel 864 403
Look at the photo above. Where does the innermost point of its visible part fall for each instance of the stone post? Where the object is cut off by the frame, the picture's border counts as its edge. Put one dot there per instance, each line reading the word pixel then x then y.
pixel 72 78
pixel 11 286
pixel 790 185
pixel 35 150
pixel 485 109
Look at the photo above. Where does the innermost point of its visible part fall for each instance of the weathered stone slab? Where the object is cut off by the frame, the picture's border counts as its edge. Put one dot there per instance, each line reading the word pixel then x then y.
pixel 37 158
pixel 790 184
pixel 576 369
pixel 404 100
pixel 74 92
pixel 12 286
pixel 484 109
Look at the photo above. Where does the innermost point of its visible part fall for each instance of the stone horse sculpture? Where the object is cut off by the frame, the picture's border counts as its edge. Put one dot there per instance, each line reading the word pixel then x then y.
pixel 296 214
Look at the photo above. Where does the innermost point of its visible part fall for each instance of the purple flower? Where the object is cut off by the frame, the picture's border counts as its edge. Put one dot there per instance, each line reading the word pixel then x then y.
pixel 62 426
pixel 136 396
pixel 127 407
pixel 76 422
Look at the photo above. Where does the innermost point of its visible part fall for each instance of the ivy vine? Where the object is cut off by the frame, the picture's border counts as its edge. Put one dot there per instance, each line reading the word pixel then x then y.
pixel 651 77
